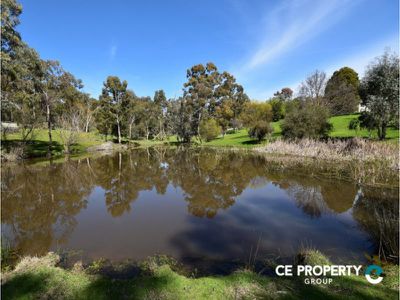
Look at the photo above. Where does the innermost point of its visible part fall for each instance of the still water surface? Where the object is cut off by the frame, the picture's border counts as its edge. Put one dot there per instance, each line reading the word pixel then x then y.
pixel 193 204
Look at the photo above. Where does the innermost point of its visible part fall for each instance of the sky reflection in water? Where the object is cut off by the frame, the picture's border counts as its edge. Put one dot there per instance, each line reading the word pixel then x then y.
pixel 191 204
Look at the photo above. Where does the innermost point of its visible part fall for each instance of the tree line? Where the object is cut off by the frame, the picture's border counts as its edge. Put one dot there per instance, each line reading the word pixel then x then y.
pixel 37 93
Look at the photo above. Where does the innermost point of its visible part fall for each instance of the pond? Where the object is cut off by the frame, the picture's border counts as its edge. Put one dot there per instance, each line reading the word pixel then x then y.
pixel 197 205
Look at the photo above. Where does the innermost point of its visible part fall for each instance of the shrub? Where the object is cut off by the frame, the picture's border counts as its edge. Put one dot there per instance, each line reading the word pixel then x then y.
pixel 260 129
pixel 209 129
pixel 306 121
pixel 367 121
pixel 354 125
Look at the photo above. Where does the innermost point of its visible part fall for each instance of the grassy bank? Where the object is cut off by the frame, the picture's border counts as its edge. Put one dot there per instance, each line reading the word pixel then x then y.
pixel 42 278
pixel 339 130
pixel 239 139
pixel 38 146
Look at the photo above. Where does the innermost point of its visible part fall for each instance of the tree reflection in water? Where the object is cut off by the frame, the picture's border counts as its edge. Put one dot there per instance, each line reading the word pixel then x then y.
pixel 377 212
pixel 40 202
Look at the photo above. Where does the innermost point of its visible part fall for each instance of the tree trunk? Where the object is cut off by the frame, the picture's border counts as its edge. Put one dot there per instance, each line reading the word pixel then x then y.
pixel 119 131
pixel 130 127
pixel 161 130
pixel 382 131
pixel 147 133
pixel 87 124
pixel 198 124
pixel 48 115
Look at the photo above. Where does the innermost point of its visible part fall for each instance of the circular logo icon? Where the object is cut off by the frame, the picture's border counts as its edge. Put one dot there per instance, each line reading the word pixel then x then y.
pixel 378 271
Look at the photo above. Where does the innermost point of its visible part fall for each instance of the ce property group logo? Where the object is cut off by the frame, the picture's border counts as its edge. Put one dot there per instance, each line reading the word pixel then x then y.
pixel 372 272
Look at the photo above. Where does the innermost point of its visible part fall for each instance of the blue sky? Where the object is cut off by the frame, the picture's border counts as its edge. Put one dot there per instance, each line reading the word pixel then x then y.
pixel 265 44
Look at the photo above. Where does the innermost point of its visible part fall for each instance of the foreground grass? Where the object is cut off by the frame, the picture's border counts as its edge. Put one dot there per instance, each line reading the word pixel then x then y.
pixel 40 278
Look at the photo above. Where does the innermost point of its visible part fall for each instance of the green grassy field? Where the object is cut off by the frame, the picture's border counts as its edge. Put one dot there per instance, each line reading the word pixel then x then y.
pixel 39 278
pixel 38 147
pixel 340 129
pixel 40 142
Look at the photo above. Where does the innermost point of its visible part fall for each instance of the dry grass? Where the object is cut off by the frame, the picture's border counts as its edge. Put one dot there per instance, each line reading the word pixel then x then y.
pixel 50 260
pixel 353 149
pixel 365 162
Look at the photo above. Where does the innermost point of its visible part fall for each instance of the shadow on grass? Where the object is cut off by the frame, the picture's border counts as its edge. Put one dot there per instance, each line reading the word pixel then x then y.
pixel 165 284
pixel 144 287
pixel 115 141
pixel 276 134
pixel 34 148
pixel 251 142
pixel 21 286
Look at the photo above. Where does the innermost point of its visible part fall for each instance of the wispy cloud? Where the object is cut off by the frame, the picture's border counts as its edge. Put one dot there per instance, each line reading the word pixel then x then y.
pixel 291 24
pixel 358 60
pixel 113 52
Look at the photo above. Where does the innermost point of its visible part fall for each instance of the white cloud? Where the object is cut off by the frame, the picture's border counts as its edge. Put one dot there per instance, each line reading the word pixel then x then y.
pixel 113 51
pixel 290 25
pixel 358 61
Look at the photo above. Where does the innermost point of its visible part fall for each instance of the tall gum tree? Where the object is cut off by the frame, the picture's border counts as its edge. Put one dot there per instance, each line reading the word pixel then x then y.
pixel 54 82
pixel 115 91
pixel 210 94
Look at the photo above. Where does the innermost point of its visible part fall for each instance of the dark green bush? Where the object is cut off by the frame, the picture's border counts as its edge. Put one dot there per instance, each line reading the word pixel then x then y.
pixel 306 120
pixel 260 129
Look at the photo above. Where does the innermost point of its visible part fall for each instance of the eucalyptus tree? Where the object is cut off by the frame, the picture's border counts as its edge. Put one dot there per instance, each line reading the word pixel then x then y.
pixel 142 117
pixel 20 69
pixel 184 121
pixel 103 117
pixel 149 120
pixel 10 38
pixel 53 84
pixel 199 92
pixel 210 94
pixel 20 90
pixel 133 111
pixel 160 102
pixel 230 101
pixel 115 93
pixel 172 116
pixel 87 108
